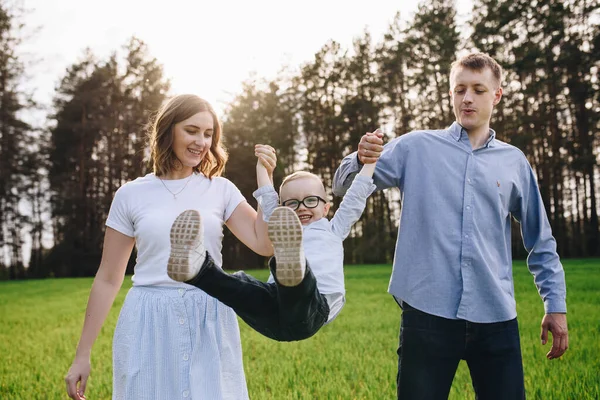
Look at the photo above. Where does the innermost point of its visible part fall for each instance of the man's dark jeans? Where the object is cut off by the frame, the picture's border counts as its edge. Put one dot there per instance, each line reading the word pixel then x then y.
pixel 431 348
pixel 279 312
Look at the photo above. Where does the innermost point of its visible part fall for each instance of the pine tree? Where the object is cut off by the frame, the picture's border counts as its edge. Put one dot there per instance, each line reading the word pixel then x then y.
pixel 14 135
pixel 256 116
pixel 97 145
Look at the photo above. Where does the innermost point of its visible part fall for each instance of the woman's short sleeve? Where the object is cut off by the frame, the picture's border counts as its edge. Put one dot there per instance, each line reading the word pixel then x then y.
pixel 233 197
pixel 119 216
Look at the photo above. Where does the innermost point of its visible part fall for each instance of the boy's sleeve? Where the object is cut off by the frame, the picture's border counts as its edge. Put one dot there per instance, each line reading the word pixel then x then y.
pixel 267 199
pixel 352 206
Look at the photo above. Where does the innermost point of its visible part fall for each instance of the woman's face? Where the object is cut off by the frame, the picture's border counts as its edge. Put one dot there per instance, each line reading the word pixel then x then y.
pixel 192 139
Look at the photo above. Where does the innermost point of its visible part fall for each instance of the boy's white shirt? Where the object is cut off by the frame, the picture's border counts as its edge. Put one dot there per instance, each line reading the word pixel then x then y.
pixel 322 239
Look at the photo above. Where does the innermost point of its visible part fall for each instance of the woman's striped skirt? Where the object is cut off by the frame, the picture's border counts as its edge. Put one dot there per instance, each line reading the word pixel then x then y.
pixel 177 343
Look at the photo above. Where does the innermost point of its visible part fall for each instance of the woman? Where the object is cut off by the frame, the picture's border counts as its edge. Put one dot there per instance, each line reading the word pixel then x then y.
pixel 172 340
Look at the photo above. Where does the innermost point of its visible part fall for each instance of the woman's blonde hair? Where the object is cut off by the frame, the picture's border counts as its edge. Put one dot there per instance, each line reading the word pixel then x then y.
pixel 160 136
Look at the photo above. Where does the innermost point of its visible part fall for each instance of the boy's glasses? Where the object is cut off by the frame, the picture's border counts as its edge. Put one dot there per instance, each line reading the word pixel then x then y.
pixel 309 202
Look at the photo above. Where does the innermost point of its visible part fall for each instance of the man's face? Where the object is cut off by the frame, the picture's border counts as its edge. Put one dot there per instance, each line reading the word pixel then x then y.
pixel 474 95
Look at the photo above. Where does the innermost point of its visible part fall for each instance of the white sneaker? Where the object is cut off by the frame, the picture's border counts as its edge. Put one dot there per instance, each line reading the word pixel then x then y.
pixel 187 250
pixel 285 232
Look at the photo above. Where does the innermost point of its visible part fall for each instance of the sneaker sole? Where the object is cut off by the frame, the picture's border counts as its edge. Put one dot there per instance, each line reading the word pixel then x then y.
pixel 285 232
pixel 185 238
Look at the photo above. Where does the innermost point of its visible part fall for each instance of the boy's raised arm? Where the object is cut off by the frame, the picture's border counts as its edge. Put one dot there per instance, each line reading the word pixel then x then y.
pixel 355 199
pixel 368 170
pixel 265 165
pixel 265 195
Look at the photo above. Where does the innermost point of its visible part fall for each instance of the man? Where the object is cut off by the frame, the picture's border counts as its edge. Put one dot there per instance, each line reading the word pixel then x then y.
pixel 452 271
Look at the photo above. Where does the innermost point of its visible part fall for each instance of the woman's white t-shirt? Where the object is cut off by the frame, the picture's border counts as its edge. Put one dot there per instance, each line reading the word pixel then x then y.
pixel 145 209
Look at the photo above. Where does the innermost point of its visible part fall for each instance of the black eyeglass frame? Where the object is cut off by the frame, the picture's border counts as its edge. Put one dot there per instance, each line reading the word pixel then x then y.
pixel 302 202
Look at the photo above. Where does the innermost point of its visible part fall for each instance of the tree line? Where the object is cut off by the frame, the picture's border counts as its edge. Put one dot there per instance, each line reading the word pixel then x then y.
pixel 59 181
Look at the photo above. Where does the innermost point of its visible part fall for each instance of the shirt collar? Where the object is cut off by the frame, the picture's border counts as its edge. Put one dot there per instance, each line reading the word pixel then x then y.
pixel 318 224
pixel 457 131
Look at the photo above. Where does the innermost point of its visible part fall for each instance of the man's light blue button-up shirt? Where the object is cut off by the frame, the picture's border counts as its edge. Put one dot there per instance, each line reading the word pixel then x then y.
pixel 453 253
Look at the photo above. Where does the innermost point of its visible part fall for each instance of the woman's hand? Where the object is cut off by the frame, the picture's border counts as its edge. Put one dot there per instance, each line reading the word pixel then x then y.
pixel 267 159
pixel 78 374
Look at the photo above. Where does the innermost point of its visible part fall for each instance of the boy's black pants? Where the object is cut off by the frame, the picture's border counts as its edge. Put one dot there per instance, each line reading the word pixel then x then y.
pixel 279 312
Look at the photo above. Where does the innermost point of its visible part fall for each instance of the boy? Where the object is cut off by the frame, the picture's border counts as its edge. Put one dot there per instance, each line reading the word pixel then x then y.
pixel 306 287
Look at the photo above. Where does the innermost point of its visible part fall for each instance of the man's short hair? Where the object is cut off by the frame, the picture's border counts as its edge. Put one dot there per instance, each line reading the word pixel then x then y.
pixel 478 62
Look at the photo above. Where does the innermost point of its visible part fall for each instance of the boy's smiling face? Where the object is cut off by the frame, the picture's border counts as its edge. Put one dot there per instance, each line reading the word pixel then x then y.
pixel 301 188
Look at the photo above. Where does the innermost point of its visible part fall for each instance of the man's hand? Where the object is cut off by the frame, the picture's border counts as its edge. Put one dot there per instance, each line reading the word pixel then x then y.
pixel 370 147
pixel 557 325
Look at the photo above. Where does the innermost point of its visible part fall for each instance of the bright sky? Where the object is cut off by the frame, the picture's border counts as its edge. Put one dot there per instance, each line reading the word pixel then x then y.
pixel 206 47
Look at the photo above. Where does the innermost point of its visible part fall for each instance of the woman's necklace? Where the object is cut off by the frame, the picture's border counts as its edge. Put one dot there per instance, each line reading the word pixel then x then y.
pixel 184 186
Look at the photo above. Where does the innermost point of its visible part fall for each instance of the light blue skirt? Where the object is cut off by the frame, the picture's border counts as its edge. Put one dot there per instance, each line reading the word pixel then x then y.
pixel 177 343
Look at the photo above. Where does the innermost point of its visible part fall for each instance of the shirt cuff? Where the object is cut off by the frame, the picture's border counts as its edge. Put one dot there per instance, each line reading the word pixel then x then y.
pixel 555 306
pixel 267 199
pixel 356 164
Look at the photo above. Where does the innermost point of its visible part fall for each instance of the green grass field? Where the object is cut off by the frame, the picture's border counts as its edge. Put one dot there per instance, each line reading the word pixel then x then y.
pixel 353 358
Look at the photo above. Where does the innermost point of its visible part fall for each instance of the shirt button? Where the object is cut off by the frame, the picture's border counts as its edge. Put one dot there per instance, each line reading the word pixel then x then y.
pixel 181 321
pixel 466 236
pixel 186 393
pixel 186 357
pixel 468 207
pixel 181 292
pixel 469 180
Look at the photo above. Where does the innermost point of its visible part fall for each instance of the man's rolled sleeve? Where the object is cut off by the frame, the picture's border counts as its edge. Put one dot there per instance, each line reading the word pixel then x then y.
pixel 345 174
